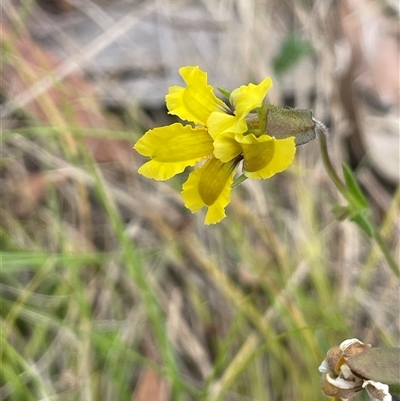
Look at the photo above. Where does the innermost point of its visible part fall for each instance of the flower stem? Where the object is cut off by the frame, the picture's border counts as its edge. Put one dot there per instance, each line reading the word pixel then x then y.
pixel 386 252
pixel 322 132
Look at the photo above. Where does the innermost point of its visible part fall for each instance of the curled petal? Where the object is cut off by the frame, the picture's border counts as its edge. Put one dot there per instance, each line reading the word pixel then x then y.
pixel 346 343
pixel 343 384
pixel 265 156
pixel 210 185
pixel 338 389
pixel 346 372
pixel 226 148
pixel 335 360
pixel 249 97
pixel 219 123
pixel 324 367
pixel 197 101
pixel 377 391
pixel 172 149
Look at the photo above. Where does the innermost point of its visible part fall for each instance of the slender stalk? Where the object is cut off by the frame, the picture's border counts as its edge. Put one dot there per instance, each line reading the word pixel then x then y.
pixel 386 252
pixel 322 134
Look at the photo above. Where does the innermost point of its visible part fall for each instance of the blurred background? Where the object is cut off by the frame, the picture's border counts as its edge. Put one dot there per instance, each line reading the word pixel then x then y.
pixel 110 288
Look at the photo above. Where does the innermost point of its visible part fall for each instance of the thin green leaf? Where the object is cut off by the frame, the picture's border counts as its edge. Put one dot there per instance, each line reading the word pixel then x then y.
pixel 239 180
pixel 363 222
pixel 15 261
pixel 353 187
pixel 225 92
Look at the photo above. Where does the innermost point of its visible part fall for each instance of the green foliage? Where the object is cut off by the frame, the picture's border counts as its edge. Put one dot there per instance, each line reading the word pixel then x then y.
pixel 225 92
pixel 260 319
pixel 292 50
pixel 105 276
pixel 357 209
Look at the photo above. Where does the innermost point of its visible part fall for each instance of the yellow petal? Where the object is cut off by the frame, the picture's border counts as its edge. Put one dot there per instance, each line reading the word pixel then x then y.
pixel 195 102
pixel 210 185
pixel 226 147
pixel 225 123
pixel 172 149
pixel 265 156
pixel 249 97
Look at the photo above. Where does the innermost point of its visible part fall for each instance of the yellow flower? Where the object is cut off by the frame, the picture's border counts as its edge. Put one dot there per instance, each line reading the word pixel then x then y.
pixel 217 136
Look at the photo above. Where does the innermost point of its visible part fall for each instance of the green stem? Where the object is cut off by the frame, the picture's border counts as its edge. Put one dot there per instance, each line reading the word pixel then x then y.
pixel 386 252
pixel 322 135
